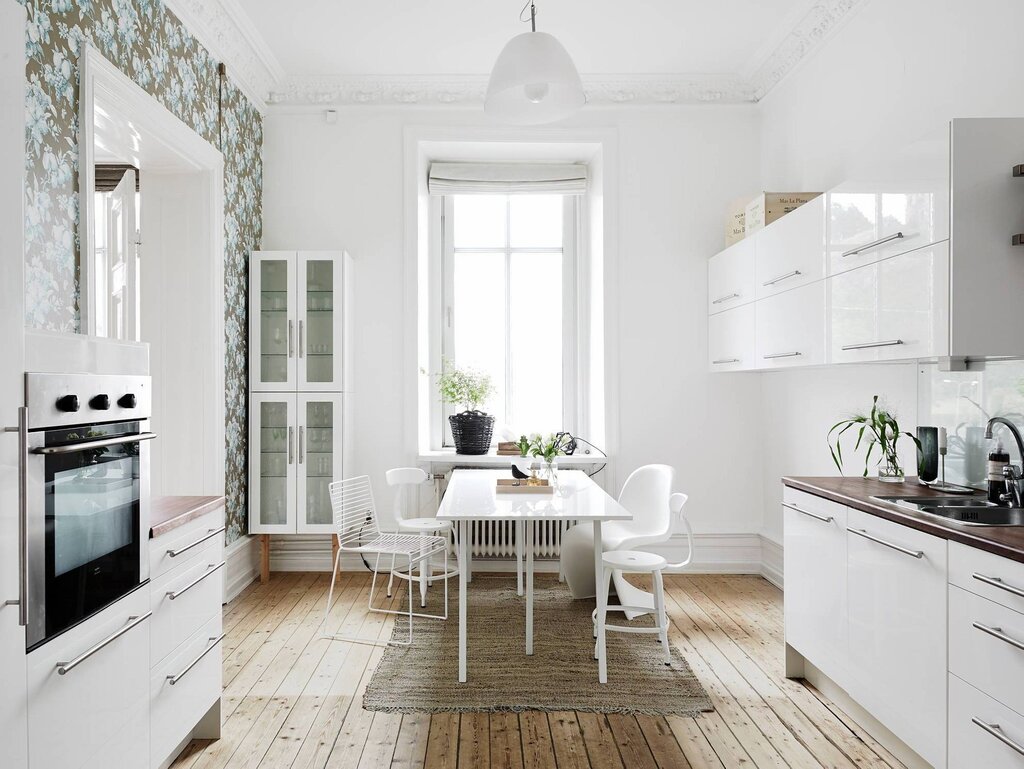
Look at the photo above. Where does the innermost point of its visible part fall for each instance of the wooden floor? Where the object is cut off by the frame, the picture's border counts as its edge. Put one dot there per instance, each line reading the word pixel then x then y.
pixel 292 699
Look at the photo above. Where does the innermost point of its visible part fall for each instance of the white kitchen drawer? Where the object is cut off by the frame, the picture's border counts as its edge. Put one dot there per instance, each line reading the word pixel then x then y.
pixel 731 337
pixel 791 251
pixel 188 541
pixel 74 716
pixel 893 309
pixel 731 277
pixel 128 749
pixel 991 576
pixel 986 646
pixel 970 745
pixel 176 708
pixel 183 600
pixel 791 328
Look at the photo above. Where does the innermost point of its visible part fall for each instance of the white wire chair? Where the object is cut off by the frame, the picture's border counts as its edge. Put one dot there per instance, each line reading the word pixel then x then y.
pixel 355 522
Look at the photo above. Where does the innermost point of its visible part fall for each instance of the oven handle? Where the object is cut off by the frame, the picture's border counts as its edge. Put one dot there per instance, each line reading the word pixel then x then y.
pixel 73 447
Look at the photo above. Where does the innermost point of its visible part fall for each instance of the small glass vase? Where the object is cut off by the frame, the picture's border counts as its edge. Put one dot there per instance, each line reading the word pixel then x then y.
pixel 549 472
pixel 891 472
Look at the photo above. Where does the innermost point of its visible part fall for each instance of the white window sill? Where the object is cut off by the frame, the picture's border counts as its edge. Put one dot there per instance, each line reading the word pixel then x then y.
pixel 449 457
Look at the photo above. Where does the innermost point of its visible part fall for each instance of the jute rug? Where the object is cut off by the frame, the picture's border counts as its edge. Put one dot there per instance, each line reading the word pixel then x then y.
pixel 561 674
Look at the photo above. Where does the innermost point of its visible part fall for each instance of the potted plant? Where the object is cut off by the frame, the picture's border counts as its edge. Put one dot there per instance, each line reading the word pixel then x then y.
pixel 877 428
pixel 471 428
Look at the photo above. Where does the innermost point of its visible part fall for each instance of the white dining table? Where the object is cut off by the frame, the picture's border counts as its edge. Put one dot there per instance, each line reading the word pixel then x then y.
pixel 472 496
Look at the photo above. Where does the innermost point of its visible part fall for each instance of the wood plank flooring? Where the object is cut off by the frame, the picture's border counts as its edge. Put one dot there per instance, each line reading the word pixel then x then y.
pixel 294 700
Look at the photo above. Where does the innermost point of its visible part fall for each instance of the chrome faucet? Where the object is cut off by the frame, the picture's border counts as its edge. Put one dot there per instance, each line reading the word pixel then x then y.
pixel 1013 475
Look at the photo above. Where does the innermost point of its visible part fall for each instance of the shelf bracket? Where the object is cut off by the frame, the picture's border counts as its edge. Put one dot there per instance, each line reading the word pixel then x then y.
pixel 1018 170
pixel 1018 240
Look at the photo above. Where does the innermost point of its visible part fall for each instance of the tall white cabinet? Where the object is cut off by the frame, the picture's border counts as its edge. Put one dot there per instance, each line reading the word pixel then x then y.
pixel 300 382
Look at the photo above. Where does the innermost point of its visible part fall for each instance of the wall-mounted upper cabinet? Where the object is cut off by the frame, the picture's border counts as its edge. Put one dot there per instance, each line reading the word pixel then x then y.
pixel 731 345
pixel 790 252
pixel 731 277
pixel 791 328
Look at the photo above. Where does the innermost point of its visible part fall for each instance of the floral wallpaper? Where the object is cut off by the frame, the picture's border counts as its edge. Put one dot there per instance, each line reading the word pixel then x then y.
pixel 148 43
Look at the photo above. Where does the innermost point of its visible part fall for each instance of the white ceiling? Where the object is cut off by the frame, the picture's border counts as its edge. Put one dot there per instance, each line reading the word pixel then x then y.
pixel 463 37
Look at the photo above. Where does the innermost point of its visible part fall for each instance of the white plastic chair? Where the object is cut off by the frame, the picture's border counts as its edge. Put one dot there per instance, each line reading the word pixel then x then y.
pixel 406 482
pixel 358 531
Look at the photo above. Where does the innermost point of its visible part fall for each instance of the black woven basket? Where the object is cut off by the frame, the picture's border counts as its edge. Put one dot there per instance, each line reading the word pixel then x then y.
pixel 471 431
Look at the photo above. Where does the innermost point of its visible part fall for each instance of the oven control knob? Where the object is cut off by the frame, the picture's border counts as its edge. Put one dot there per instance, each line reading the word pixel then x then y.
pixel 67 403
pixel 100 402
pixel 128 401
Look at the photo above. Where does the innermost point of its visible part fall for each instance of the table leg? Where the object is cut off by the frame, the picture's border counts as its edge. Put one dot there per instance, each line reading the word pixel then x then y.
pixel 602 599
pixel 463 561
pixel 469 554
pixel 424 569
pixel 529 587
pixel 519 557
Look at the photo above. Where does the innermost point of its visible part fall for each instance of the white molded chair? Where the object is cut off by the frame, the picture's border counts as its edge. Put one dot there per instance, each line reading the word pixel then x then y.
pixel 356 525
pixel 406 482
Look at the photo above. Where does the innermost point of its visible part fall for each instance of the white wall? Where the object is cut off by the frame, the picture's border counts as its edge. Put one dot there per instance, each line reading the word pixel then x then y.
pixel 330 186
pixel 896 71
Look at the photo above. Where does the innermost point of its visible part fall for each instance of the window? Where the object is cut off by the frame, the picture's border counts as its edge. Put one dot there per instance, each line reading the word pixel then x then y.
pixel 509 304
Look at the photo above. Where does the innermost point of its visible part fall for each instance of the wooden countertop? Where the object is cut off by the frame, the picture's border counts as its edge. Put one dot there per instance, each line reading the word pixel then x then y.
pixel 167 513
pixel 1007 541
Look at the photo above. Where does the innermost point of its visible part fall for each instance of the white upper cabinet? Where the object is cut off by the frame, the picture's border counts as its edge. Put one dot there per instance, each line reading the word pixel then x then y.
pixel 731 339
pixel 731 277
pixel 791 328
pixel 791 251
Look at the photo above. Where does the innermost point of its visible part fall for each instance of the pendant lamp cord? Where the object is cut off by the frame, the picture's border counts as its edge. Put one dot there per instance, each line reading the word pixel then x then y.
pixel 533 14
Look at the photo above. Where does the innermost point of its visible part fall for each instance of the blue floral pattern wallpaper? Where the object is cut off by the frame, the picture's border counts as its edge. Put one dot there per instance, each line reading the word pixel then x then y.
pixel 148 43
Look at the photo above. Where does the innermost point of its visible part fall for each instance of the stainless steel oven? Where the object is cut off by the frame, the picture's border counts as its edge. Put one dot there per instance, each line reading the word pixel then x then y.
pixel 86 496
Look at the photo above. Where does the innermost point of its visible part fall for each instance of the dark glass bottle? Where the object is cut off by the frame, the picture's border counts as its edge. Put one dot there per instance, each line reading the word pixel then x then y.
pixel 997 460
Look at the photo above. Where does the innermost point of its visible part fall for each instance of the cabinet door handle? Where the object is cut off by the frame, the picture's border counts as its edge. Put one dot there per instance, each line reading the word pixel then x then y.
pixel 209 535
pixel 866 345
pixel 781 278
pixel 998 582
pixel 822 518
pixel 302 441
pixel 178 593
pixel 63 668
pixel 291 338
pixel 724 360
pixel 997 632
pixel 301 351
pixel 898 548
pixel 726 298
pixel 172 680
pixel 996 732
pixel 291 445
pixel 774 355
pixel 873 244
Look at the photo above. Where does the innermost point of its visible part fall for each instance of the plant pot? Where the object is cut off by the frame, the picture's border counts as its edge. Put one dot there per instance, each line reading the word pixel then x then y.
pixel 471 431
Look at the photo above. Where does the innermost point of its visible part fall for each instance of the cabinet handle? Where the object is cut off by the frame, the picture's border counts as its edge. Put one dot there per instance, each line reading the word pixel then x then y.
pixel 725 298
pixel 724 360
pixel 302 440
pixel 63 668
pixel 998 582
pixel 22 516
pixel 873 244
pixel 172 680
pixel 301 351
pixel 209 535
pixel 996 732
pixel 291 445
pixel 898 548
pixel 866 345
pixel 997 632
pixel 178 593
pixel 774 355
pixel 781 278
pixel 822 518
pixel 291 338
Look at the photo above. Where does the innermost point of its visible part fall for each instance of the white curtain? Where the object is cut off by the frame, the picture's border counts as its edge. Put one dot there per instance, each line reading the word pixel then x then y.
pixel 507 178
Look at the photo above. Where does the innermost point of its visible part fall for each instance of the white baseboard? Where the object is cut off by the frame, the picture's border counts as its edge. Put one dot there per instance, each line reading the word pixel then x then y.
pixel 243 559
pixel 771 561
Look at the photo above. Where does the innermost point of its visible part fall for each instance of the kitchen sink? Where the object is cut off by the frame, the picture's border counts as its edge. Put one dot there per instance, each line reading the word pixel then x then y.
pixel 970 511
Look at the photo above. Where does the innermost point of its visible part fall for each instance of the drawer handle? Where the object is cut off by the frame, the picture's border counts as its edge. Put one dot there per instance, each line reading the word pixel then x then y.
pixel 998 582
pixel 725 298
pixel 210 535
pixel 63 668
pixel 781 278
pixel 177 594
pixel 997 632
pixel 996 732
pixel 898 548
pixel 873 244
pixel 721 361
pixel 774 355
pixel 867 345
pixel 822 518
pixel 172 680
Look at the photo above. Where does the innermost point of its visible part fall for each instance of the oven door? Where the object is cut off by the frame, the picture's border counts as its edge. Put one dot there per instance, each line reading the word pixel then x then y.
pixel 87 522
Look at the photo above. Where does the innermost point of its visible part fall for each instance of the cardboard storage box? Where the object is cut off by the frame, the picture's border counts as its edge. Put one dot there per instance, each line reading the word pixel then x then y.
pixel 769 206
pixel 735 219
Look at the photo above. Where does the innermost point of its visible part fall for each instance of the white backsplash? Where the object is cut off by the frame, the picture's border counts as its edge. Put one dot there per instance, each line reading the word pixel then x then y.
pixel 962 402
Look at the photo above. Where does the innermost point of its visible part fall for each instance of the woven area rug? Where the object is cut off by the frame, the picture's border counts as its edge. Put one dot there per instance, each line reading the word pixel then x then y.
pixel 561 674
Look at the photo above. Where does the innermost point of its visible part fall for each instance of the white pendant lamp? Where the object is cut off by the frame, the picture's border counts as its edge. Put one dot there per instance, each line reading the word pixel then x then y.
pixel 534 80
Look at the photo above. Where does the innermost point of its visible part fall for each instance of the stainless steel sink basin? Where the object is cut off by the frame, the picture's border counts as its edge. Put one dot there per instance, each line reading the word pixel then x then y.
pixel 970 511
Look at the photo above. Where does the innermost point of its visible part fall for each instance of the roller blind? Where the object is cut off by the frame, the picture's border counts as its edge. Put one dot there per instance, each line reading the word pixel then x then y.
pixel 507 178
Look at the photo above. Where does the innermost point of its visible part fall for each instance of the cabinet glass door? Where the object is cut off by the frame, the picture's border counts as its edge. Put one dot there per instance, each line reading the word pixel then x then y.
pixel 320 294
pixel 274 313
pixel 272 471
pixel 319 460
